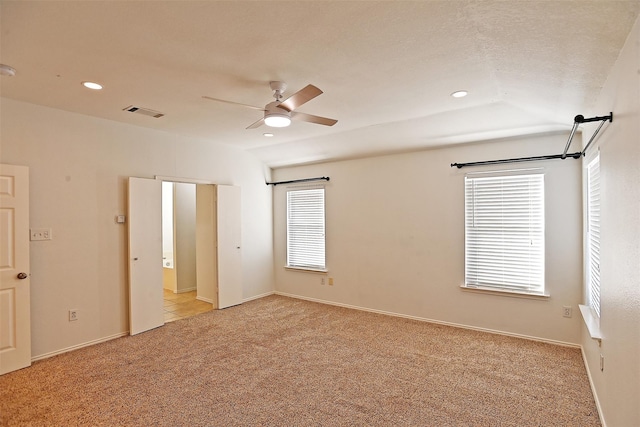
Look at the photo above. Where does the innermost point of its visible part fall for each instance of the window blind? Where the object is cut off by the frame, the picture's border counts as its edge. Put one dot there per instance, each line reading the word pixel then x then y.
pixel 305 228
pixel 504 232
pixel 593 233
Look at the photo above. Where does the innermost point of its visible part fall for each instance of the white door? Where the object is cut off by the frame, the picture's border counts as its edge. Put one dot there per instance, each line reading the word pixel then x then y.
pixel 229 251
pixel 15 317
pixel 145 255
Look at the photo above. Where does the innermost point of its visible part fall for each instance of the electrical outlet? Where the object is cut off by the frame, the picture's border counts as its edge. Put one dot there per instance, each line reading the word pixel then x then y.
pixel 566 311
pixel 73 315
pixel 322 280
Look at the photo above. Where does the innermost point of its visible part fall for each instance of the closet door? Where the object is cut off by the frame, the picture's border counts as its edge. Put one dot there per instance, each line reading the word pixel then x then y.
pixel 229 251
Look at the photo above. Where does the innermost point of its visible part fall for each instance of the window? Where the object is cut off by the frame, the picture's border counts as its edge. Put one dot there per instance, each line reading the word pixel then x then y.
pixel 305 229
pixel 593 234
pixel 504 232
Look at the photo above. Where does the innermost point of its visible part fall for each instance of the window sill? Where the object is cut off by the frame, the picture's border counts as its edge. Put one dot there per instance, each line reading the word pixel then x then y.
pixel 307 269
pixel 592 321
pixel 504 293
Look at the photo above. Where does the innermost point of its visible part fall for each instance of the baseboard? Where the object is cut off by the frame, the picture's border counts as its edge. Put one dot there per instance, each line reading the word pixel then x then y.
pixel 209 300
pixel 78 346
pixel 182 291
pixel 259 296
pixel 438 322
pixel 593 387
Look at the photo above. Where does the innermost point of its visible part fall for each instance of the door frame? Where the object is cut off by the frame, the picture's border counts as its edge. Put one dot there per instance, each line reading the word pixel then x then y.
pixel 233 298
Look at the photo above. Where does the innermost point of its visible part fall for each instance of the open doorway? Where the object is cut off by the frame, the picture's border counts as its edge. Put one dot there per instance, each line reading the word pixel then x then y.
pixel 218 250
pixel 179 272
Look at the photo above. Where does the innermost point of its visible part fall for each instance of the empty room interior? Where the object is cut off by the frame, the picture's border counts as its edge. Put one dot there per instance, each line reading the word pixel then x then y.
pixel 365 175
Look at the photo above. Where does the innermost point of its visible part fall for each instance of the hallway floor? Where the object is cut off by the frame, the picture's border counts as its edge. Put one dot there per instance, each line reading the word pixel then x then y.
pixel 183 305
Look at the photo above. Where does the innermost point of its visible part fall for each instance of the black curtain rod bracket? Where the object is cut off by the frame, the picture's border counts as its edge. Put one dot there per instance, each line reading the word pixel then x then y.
pixel 576 122
pixel 581 119
pixel 604 119
pixel 295 181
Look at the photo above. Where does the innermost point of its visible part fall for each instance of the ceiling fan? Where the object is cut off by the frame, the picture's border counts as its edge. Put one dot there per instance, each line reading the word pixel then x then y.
pixel 279 113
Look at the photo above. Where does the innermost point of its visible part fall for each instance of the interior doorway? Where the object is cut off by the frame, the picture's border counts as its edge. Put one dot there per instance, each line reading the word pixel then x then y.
pixel 179 267
pixel 218 250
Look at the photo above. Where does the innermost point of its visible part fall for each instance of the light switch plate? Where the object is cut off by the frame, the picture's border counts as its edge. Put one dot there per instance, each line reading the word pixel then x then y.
pixel 41 234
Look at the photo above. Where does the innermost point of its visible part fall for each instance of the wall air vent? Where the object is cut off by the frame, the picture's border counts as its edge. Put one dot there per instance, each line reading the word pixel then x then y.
pixel 145 111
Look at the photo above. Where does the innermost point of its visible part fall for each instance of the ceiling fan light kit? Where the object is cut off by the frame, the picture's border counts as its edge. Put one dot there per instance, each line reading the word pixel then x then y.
pixel 275 116
pixel 277 120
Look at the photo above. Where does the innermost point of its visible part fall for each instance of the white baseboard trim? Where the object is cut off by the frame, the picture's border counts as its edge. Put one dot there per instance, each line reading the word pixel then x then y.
pixel 438 322
pixel 78 346
pixel 209 300
pixel 593 388
pixel 182 291
pixel 259 296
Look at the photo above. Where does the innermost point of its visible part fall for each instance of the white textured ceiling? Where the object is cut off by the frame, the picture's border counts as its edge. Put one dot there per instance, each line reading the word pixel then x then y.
pixel 386 68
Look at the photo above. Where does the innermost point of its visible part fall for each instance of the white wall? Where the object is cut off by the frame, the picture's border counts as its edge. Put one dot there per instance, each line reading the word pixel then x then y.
pixel 78 169
pixel 185 227
pixel 617 387
pixel 395 238
pixel 167 224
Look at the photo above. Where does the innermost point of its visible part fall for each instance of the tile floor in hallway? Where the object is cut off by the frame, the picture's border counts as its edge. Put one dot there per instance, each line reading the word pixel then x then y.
pixel 180 306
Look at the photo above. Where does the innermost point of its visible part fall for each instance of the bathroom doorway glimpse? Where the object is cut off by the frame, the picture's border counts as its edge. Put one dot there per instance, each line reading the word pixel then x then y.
pixel 179 274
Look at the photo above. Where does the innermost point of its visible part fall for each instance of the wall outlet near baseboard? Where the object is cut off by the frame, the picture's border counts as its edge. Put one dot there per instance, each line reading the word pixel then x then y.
pixel 566 311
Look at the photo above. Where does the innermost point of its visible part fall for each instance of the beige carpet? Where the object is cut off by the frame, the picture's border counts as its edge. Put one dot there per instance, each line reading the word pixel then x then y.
pixel 284 362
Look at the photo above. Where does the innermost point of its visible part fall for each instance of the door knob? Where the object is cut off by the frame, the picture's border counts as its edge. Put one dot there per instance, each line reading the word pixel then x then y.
pixel 22 276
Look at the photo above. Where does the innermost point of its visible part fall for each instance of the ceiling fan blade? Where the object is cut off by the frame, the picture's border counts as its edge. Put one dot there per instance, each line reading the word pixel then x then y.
pixel 233 103
pixel 313 119
pixel 256 124
pixel 305 94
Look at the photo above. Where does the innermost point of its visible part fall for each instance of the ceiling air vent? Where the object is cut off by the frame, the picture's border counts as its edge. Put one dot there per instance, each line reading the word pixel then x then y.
pixel 144 111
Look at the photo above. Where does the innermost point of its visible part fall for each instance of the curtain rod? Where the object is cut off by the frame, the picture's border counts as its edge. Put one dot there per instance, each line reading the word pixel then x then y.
pixel 518 159
pixel 576 122
pixel 321 178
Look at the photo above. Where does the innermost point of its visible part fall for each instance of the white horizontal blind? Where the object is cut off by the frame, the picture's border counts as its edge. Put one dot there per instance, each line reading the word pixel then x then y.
pixel 305 228
pixel 504 232
pixel 593 219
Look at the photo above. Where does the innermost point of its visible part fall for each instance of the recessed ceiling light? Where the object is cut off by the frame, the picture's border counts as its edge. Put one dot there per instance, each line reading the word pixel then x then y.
pixel 268 135
pixel 5 70
pixel 92 85
pixel 460 94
